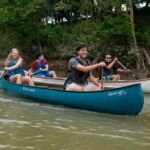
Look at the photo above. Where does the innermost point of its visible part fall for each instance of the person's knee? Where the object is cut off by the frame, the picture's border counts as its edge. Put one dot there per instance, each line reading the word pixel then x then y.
pixel 114 77
pixel 78 89
pixel 118 76
pixel 27 78
pixel 96 88
pixel 18 76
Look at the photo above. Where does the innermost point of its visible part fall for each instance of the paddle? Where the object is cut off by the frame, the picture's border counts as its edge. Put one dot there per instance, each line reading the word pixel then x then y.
pixel 2 74
pixel 31 74
pixel 134 76
pixel 102 79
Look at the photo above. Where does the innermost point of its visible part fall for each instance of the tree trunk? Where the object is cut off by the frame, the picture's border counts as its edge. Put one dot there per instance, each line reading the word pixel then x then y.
pixel 46 13
pixel 135 47
pixel 146 56
pixel 147 3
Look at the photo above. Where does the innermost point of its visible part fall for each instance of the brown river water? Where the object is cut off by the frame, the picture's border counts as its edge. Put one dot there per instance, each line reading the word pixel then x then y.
pixel 27 125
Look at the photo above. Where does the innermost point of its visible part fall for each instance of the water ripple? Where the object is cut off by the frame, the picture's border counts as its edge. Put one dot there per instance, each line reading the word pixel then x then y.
pixel 4 146
pixel 60 127
pixel 9 121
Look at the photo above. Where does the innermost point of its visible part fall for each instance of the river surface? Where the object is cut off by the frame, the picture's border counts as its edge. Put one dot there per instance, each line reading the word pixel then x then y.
pixel 33 126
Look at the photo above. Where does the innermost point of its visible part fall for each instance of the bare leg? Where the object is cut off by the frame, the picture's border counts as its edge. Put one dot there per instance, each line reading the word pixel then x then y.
pixel 53 74
pixel 15 79
pixel 118 77
pixel 74 87
pixel 27 80
pixel 95 88
pixel 115 77
pixel 77 88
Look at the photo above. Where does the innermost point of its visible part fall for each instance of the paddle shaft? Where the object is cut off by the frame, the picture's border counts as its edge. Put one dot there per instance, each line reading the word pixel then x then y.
pixel 134 76
pixel 121 65
pixel 2 74
pixel 102 72
pixel 34 73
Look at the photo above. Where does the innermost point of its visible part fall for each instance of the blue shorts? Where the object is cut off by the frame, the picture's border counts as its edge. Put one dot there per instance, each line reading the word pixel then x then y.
pixel 42 74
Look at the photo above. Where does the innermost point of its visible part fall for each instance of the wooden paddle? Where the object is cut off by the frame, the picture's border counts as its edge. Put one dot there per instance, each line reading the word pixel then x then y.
pixel 134 75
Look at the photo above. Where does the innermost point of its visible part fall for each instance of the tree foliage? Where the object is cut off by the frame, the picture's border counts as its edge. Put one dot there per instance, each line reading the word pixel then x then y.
pixel 57 26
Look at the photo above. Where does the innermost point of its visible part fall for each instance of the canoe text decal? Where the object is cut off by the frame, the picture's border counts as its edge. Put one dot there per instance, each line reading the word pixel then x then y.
pixel 119 93
pixel 28 89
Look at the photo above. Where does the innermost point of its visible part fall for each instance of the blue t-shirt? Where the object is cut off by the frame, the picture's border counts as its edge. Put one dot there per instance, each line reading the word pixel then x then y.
pixel 73 63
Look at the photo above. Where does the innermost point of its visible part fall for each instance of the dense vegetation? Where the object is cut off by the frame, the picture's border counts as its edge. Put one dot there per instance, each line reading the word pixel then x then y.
pixel 57 26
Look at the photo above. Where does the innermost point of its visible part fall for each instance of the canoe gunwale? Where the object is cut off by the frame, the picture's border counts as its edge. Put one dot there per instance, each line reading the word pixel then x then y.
pixel 119 81
pixel 105 81
pixel 119 88
pixel 145 83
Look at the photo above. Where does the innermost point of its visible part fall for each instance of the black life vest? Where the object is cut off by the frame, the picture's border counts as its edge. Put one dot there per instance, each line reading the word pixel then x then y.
pixel 76 76
pixel 108 72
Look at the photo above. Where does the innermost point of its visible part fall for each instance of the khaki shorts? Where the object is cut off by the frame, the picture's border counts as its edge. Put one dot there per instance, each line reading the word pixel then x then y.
pixel 86 87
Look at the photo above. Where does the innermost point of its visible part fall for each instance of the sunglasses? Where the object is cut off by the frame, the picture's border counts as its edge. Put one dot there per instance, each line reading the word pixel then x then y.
pixel 107 57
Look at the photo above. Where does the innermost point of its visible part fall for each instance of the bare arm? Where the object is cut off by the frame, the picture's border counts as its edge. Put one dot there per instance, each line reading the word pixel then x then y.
pixel 19 63
pixel 7 60
pixel 123 70
pixel 30 71
pixel 82 68
pixel 111 64
pixel 46 68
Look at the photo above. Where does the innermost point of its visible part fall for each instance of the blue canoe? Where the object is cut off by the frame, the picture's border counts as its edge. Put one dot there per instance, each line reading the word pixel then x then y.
pixel 127 100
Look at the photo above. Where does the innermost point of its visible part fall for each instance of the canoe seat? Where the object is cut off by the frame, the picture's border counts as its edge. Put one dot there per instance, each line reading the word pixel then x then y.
pixel 50 85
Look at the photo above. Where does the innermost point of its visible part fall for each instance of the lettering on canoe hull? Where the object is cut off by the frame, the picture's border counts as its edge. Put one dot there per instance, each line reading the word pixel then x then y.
pixel 28 89
pixel 119 93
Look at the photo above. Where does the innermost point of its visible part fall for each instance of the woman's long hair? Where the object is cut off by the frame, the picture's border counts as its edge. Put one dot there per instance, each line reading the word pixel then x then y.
pixel 9 57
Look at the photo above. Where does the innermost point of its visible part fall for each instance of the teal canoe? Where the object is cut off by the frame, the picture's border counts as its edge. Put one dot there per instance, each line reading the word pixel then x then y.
pixel 127 100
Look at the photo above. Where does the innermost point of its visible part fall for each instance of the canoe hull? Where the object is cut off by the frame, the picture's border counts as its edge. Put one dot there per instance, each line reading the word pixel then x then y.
pixel 122 101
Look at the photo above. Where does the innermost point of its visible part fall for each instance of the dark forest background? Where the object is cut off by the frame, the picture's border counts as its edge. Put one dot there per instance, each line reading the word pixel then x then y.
pixel 119 27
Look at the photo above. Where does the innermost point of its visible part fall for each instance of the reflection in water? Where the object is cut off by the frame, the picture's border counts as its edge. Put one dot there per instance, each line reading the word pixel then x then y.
pixel 26 125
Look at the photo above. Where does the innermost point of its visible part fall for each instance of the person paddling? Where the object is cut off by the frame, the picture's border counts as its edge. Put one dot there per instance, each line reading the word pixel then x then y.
pixel 40 67
pixel 13 66
pixel 110 71
pixel 80 71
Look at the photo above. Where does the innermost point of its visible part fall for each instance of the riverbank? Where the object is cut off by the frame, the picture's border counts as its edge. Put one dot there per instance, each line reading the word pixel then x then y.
pixel 60 67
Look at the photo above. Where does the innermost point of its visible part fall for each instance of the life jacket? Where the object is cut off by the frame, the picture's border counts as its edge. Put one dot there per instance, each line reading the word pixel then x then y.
pixel 18 70
pixel 107 72
pixel 40 65
pixel 43 66
pixel 76 76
